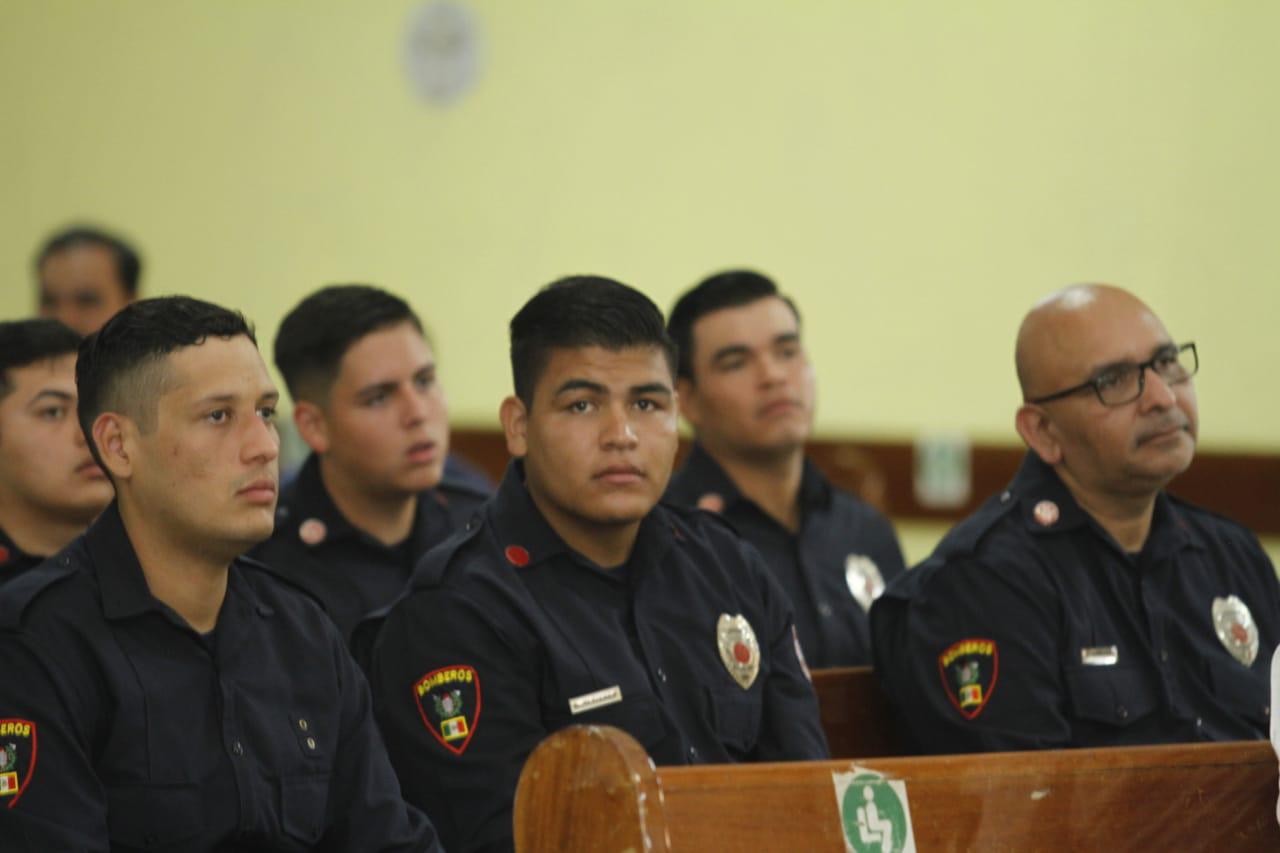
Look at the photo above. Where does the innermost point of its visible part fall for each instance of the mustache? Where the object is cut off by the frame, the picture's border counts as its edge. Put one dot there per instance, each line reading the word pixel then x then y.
pixel 1172 421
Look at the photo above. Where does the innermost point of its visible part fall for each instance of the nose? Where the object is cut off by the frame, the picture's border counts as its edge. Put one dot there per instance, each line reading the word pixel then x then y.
pixel 772 370
pixel 262 442
pixel 619 432
pixel 417 407
pixel 1156 392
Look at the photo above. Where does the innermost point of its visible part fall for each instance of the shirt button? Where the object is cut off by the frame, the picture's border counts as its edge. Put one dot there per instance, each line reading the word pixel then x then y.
pixel 1122 712
pixel 1266 710
pixel 237 748
pixel 303 725
pixel 1004 498
pixel 693 753
pixel 1199 722
pixel 662 675
pixel 311 743
pixel 825 609
pixel 1164 655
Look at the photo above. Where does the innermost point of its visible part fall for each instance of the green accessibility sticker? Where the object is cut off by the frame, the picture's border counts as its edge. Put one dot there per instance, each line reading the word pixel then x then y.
pixel 874 812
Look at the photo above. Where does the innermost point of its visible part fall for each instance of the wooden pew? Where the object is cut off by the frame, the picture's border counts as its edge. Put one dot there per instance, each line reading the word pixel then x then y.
pixel 855 714
pixel 592 788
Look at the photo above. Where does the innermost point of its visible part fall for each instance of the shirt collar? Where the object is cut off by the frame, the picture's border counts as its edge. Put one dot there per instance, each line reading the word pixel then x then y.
pixel 528 539
pixel 11 555
pixel 703 470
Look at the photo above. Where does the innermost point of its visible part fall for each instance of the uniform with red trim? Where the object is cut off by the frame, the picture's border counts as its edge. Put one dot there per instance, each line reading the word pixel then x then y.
pixel 351 573
pixel 122 728
pixel 507 635
pixel 832 568
pixel 1029 627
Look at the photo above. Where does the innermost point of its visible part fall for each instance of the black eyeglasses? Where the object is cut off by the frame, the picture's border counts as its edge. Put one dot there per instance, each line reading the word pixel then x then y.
pixel 1124 383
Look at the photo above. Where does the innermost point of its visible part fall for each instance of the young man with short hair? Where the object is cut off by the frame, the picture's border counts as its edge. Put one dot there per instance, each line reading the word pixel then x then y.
pixel 85 275
pixel 747 387
pixel 374 495
pixel 50 487
pixel 181 696
pixel 576 598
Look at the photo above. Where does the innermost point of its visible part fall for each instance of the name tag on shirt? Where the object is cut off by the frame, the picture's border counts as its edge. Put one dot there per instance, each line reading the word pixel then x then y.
pixel 598 699
pixel 1099 655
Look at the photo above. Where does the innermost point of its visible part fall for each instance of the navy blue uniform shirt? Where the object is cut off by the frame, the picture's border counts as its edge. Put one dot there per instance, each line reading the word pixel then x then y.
pixel 351 573
pixel 831 569
pixel 1029 627
pixel 507 635
pixel 122 728
pixel 13 560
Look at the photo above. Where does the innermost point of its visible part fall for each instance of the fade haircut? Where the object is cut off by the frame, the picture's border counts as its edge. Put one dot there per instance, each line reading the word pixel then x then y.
pixel 121 366
pixel 582 311
pixel 24 342
pixel 729 289
pixel 317 333
pixel 128 264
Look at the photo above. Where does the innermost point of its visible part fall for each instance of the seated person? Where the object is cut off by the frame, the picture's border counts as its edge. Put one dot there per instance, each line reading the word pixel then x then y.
pixel 370 499
pixel 1084 606
pixel 576 598
pixel 50 487
pixel 85 276
pixel 180 696
pixel 746 386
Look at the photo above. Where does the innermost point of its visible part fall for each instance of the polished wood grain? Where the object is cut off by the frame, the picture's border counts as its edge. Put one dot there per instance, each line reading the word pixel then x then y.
pixel 855 713
pixel 1174 797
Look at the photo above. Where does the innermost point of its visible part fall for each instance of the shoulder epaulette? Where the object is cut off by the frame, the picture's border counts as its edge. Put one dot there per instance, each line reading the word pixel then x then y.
pixel 24 589
pixel 280 577
pixel 432 568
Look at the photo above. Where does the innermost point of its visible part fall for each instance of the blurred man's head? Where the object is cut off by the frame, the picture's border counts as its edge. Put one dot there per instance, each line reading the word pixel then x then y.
pixel 593 415
pixel 86 275
pixel 45 465
pixel 745 382
pixel 1108 396
pixel 362 375
pixel 179 409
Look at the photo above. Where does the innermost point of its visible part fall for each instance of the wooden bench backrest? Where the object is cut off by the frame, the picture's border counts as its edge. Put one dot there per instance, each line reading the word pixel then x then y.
pixel 592 788
pixel 855 714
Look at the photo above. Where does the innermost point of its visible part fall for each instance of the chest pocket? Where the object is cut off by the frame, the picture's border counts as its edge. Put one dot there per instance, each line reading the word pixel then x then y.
pixel 1112 695
pixel 1243 692
pixel 735 714
pixel 637 715
pixel 304 796
pixel 154 816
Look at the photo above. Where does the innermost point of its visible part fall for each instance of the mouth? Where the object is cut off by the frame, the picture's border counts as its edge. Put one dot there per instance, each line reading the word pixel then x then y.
pixel 778 407
pixel 1163 433
pixel 260 491
pixel 620 475
pixel 422 453
pixel 90 471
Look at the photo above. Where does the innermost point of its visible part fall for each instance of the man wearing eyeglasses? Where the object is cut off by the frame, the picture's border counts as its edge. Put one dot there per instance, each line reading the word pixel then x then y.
pixel 1084 606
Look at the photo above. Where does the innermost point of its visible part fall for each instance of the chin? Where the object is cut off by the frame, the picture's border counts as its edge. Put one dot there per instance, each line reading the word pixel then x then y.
pixel 618 512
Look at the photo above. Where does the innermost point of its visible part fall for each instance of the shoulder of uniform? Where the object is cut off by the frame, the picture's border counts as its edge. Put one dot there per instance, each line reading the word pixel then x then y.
pixel 261 574
pixel 21 592
pixel 453 486
pixel 464 545
pixel 1213 524
pixel 698 522
pixel 968 537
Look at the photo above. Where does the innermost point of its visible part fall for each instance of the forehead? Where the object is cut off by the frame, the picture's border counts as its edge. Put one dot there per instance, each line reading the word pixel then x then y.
pixel 215 366
pixel 618 369
pixel 756 322
pixel 84 264
pixel 1108 332
pixel 57 373
pixel 389 350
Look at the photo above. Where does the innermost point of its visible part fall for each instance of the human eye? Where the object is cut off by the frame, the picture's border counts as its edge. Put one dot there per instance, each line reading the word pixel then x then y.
pixel 789 350
pixel 578 407
pixel 51 413
pixel 267 413
pixel 376 399
pixel 218 416
pixel 424 380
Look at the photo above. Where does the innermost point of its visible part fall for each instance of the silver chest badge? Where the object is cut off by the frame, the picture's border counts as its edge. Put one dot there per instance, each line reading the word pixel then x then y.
pixel 1234 626
pixel 739 650
pixel 864 579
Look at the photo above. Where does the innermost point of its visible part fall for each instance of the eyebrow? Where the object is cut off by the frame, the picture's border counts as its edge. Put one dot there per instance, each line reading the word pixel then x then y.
pixel 743 349
pixel 598 388
pixel 428 368
pixel 231 398
pixel 63 396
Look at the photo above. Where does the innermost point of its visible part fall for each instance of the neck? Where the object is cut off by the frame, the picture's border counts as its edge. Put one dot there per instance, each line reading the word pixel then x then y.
pixel 771 480
pixel 606 545
pixel 387 517
pixel 36 532
pixel 1126 517
pixel 191 581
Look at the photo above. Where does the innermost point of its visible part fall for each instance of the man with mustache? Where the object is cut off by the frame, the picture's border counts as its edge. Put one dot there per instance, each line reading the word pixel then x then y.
pixel 1085 606
pixel 160 691
pixel 374 495
pixel 50 487
pixel 746 386
pixel 576 598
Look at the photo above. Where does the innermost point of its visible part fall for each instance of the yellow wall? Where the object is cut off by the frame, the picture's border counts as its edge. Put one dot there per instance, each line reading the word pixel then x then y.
pixel 916 173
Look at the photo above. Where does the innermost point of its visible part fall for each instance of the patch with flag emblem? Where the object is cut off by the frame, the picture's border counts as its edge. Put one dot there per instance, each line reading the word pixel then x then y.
pixel 969 669
pixel 17 759
pixel 449 703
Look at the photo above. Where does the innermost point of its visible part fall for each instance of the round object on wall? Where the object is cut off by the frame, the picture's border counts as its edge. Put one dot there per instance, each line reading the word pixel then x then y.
pixel 442 50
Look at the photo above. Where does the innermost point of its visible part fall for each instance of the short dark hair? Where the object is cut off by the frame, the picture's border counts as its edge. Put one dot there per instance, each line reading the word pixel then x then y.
pixel 582 311
pixel 24 342
pixel 118 366
pixel 128 264
pixel 317 333
pixel 729 289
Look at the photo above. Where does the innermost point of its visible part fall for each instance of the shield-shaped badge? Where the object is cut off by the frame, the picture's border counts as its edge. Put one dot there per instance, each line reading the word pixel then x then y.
pixel 969 669
pixel 449 703
pixel 1234 626
pixel 864 579
pixel 739 650
pixel 17 759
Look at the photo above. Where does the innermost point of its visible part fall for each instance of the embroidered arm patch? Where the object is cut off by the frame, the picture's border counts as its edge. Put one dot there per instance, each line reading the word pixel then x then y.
pixel 969 669
pixel 449 704
pixel 17 759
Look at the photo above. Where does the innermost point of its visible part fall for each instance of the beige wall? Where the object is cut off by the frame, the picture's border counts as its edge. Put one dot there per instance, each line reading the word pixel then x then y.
pixel 916 173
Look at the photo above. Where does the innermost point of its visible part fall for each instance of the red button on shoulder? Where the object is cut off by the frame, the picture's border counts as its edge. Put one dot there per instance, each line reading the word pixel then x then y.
pixel 517 556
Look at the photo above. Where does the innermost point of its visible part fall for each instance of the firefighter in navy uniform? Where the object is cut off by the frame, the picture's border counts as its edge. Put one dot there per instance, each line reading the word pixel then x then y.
pixel 50 487
pixel 161 692
pixel 746 385
pixel 1084 606
pixel 575 598
pixel 375 494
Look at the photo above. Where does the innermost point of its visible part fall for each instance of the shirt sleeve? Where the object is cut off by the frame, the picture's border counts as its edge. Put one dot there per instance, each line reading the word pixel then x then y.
pixel 791 727
pixel 370 813
pixel 969 659
pixel 457 698
pixel 50 797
